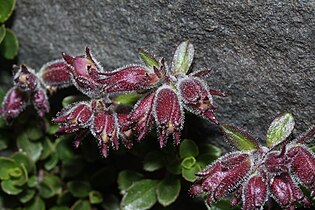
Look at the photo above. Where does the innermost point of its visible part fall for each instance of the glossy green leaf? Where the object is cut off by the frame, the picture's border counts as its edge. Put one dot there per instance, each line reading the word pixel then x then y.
pixel 141 195
pixel 22 158
pixel 53 129
pixel 168 190
pixel 9 46
pixel 6 9
pixel 240 139
pixel 48 148
pixel 153 161
pixel 188 148
pixel 22 178
pixel 79 189
pixel 15 172
pixel 95 197
pixel 65 148
pixel 148 59
pixel 81 205
pixel 32 181
pixel 127 178
pixel 183 58
pixel 188 162
pixel 37 203
pixel 5 165
pixel 313 148
pixel 10 188
pixel 2 32
pixel 189 174
pixel 51 162
pixel 32 149
pixel 26 195
pixel 280 129
pixel 50 186
pixel 128 98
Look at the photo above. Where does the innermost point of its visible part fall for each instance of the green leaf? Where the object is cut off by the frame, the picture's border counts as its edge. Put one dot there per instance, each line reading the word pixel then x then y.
pixel 26 195
pixel 6 9
pixel 2 32
pixel 22 158
pixel 65 148
pixel 32 149
pixel 168 190
pixel 222 204
pixel 48 148
pixel 153 161
pixel 313 148
pixel 37 203
pixel 4 140
pixel 128 98
pixel 50 186
pixel 240 139
pixel 53 129
pixel 188 148
pixel 10 188
pixel 95 197
pixel 81 205
pixel 34 132
pixel 205 159
pixel 211 149
pixel 111 202
pixel 280 129
pixel 51 162
pixel 141 195
pixel 148 59
pixel 189 174
pixel 5 165
pixel 32 181
pixel 127 178
pixel 174 166
pixel 72 99
pixel 9 46
pixel 188 162
pixel 15 172
pixel 79 189
pixel 183 58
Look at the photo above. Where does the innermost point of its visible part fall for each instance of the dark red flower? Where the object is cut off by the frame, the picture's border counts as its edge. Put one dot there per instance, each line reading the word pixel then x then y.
pixel 25 78
pixel 40 102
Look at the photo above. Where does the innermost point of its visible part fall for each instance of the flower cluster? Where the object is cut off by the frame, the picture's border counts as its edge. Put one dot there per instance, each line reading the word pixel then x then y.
pixel 166 92
pixel 30 88
pixel 257 171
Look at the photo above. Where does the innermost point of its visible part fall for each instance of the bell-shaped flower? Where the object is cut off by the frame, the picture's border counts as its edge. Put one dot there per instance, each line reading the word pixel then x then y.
pixel 223 176
pixel 84 72
pixel 25 78
pixel 168 114
pixel 13 104
pixel 255 192
pixel 40 102
pixel 286 192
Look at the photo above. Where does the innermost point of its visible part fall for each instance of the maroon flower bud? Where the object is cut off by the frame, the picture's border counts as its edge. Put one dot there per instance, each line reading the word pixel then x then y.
pixel 40 102
pixel 142 116
pixel 74 117
pixel 84 71
pixel 56 74
pixel 13 104
pixel 303 165
pixel 196 97
pixel 104 126
pixel 255 193
pixel 223 176
pixel 286 192
pixel 25 78
pixel 168 113
pixel 130 78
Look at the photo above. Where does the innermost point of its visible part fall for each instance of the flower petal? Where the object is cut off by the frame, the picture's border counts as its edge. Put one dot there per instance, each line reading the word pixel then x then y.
pixel 40 102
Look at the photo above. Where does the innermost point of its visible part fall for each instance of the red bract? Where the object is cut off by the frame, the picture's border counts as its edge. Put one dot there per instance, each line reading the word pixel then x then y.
pixel 168 114
pixel 276 167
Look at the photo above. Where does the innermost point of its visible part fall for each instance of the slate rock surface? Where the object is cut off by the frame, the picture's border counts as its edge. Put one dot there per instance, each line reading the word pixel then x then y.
pixel 262 52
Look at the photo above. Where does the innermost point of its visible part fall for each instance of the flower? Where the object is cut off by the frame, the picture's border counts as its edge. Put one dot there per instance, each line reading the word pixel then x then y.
pixel 256 172
pixel 167 91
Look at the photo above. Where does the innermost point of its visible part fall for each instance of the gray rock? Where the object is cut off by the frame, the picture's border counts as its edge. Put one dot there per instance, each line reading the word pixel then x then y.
pixel 262 52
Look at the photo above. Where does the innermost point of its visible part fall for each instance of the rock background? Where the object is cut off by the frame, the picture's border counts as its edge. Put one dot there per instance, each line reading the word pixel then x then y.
pixel 262 52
